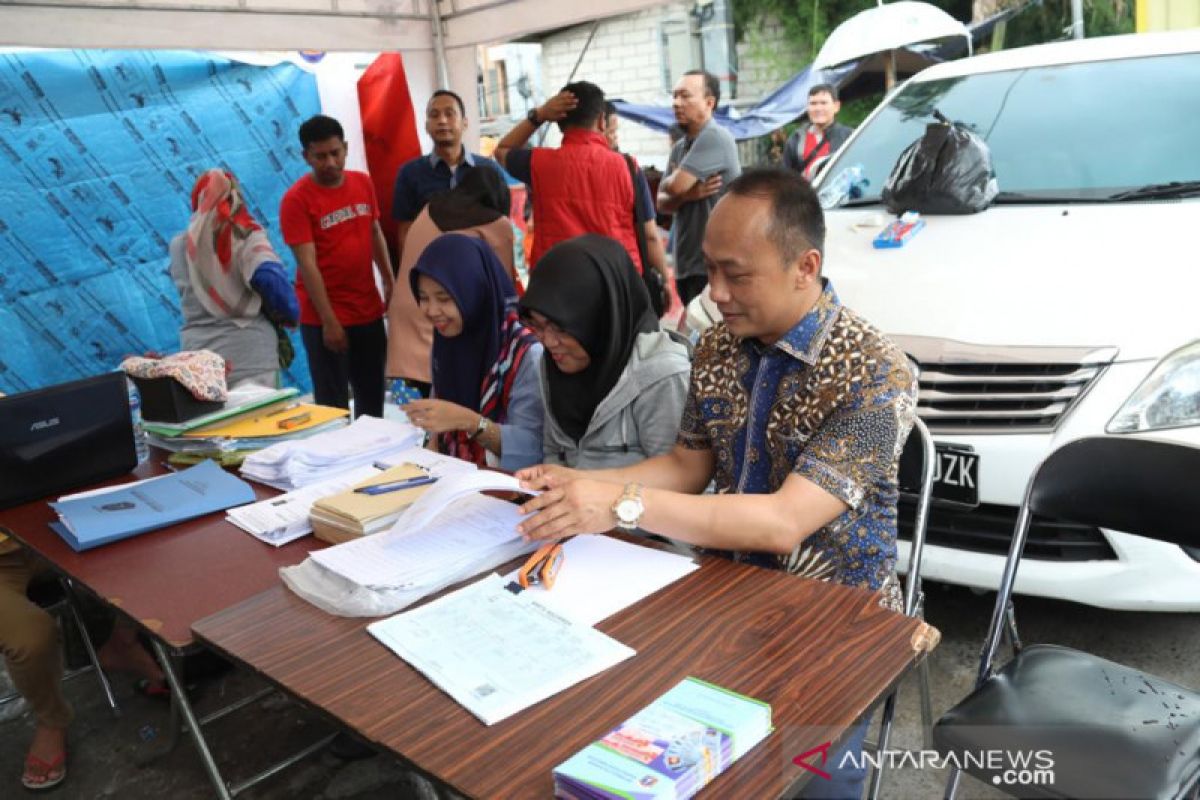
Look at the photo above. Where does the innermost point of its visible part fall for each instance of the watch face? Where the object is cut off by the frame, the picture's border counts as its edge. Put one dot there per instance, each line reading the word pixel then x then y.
pixel 628 510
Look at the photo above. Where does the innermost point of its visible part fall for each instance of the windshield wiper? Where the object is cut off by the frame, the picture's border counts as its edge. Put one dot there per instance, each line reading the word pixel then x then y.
pixel 1034 199
pixel 860 201
pixel 1160 191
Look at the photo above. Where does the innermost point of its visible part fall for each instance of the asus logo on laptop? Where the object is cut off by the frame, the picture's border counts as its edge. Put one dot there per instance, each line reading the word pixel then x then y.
pixel 42 425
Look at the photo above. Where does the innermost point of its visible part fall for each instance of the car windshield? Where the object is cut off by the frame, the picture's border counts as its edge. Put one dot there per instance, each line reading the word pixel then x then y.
pixel 1070 132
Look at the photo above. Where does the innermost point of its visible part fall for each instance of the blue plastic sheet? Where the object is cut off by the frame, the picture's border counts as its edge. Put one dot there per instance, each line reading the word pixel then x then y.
pixel 99 151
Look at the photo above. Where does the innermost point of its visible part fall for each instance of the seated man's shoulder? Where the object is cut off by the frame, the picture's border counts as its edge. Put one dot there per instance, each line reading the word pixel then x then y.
pixel 856 345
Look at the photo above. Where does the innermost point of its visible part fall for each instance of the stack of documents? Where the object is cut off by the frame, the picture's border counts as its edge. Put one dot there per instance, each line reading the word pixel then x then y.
pixel 285 518
pixel 496 652
pixel 352 514
pixel 295 464
pixel 461 543
pixel 245 399
pixel 671 749
pixel 94 518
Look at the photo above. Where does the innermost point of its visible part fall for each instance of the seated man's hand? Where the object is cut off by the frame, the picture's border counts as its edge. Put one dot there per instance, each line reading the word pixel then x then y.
pixel 578 506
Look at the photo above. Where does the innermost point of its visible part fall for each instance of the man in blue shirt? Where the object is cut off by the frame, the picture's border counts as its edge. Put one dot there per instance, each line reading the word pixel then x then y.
pixel 427 175
pixel 797 410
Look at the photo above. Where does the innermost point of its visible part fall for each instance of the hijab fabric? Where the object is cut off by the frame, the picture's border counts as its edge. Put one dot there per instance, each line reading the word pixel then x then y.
pixel 476 368
pixel 481 196
pixel 589 287
pixel 224 246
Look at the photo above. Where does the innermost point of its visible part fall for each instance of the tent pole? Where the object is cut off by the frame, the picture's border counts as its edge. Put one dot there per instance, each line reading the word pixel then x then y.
pixel 439 45
pixel 889 74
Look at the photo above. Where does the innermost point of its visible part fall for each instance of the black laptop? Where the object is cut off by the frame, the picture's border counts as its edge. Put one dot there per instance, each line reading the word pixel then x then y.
pixel 63 437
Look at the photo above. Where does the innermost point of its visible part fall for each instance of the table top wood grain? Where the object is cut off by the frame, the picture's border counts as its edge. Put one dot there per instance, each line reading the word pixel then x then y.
pixel 163 580
pixel 821 654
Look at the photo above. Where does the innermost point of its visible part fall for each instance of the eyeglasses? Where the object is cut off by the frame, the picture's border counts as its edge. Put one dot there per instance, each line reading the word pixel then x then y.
pixel 543 329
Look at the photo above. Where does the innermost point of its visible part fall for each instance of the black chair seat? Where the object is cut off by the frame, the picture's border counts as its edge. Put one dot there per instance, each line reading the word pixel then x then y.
pixel 1112 731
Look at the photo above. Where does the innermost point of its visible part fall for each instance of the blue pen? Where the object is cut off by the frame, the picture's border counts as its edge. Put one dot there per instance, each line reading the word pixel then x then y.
pixel 395 486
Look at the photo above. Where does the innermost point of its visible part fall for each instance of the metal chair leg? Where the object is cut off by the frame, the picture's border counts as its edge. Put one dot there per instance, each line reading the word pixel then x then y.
pixel 77 618
pixel 952 783
pixel 885 734
pixel 926 704
pixel 180 698
pixel 1010 620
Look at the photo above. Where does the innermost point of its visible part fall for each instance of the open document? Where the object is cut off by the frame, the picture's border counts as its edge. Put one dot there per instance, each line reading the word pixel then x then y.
pixel 495 652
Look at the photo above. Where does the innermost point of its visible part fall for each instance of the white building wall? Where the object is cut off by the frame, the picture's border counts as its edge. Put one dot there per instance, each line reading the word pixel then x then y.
pixel 626 60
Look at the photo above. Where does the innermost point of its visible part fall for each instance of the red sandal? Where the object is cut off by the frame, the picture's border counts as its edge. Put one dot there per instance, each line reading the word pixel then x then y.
pixel 52 772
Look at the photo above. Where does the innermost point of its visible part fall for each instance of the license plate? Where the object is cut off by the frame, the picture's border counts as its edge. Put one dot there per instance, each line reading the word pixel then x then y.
pixel 955 475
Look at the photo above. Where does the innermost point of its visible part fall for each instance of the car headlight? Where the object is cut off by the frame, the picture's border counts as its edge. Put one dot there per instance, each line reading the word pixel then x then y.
pixel 1168 398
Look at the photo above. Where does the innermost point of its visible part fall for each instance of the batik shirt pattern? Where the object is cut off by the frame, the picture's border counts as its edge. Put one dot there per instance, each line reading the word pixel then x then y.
pixel 832 401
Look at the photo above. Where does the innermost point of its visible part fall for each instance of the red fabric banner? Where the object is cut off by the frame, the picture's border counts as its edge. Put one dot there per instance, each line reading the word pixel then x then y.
pixel 389 124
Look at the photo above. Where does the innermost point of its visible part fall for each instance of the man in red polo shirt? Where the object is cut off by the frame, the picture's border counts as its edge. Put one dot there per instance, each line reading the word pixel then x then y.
pixel 583 186
pixel 810 145
pixel 331 221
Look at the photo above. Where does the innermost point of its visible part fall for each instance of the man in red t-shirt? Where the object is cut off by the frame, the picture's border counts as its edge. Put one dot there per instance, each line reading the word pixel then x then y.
pixel 331 221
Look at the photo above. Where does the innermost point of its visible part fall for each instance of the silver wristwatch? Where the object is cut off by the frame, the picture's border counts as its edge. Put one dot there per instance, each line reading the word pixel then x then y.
pixel 629 507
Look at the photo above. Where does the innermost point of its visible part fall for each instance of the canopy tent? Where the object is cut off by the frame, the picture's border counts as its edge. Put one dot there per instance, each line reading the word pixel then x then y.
pixel 438 39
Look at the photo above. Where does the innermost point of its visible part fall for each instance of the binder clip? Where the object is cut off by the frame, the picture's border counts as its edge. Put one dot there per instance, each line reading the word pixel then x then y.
pixel 541 568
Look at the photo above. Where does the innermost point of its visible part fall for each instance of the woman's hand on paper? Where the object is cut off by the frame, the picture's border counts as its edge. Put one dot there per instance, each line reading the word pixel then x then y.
pixel 568 506
pixel 440 416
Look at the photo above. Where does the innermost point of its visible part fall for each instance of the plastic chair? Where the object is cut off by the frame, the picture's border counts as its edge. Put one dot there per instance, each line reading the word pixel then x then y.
pixel 1095 728
pixel 57 595
pixel 919 451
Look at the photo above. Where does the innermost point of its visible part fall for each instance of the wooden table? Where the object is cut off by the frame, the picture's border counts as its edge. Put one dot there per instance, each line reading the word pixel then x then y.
pixel 822 655
pixel 163 582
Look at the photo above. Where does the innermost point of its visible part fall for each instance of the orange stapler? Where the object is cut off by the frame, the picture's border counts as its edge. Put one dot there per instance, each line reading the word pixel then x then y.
pixel 542 567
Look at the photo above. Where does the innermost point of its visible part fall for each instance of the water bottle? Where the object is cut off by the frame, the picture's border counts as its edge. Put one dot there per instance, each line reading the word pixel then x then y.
pixel 847 184
pixel 135 414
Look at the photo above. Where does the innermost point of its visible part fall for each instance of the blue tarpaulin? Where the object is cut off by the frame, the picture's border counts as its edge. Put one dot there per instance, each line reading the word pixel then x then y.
pixel 98 154
pixel 777 109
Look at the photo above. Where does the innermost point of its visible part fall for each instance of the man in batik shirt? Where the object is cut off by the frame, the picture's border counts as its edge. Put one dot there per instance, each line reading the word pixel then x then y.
pixel 798 410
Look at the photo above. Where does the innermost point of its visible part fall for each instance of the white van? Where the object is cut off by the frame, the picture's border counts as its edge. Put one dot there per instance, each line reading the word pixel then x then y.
pixel 1068 308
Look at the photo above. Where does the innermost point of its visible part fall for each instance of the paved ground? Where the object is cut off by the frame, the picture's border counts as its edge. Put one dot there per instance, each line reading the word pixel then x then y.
pixel 105 751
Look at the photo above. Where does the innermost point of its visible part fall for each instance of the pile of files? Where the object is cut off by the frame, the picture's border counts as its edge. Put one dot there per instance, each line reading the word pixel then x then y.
pixel 285 518
pixel 91 519
pixel 294 464
pixel 354 513
pixel 451 533
pixel 671 749
pixel 253 418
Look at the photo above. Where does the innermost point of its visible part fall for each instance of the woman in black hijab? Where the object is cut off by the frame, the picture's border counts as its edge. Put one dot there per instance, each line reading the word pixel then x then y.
pixel 613 383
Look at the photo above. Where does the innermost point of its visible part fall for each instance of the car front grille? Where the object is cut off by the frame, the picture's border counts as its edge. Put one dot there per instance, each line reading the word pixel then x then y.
pixel 967 388
pixel 988 529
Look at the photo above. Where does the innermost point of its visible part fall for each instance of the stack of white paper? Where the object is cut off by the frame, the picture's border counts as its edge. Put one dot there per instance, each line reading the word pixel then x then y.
pixel 285 518
pixel 496 652
pixel 295 464
pixel 465 535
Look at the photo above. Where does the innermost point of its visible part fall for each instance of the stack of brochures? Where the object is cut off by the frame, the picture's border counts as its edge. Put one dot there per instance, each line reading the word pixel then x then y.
pixel 294 464
pixel 285 518
pixel 91 519
pixel 671 749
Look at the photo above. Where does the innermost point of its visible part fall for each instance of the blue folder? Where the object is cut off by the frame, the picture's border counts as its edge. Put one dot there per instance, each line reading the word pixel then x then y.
pixel 126 511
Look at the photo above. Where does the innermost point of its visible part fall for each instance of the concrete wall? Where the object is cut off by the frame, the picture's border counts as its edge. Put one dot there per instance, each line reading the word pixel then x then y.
pixel 626 60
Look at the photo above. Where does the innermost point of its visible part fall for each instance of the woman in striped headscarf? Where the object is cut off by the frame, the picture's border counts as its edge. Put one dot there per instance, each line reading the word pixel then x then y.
pixel 485 394
pixel 233 289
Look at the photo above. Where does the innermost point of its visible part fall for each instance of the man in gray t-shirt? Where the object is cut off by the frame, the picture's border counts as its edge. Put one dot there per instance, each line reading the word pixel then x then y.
pixel 702 163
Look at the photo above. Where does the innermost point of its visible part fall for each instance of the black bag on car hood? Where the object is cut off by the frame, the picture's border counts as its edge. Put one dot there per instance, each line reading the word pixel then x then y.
pixel 947 171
